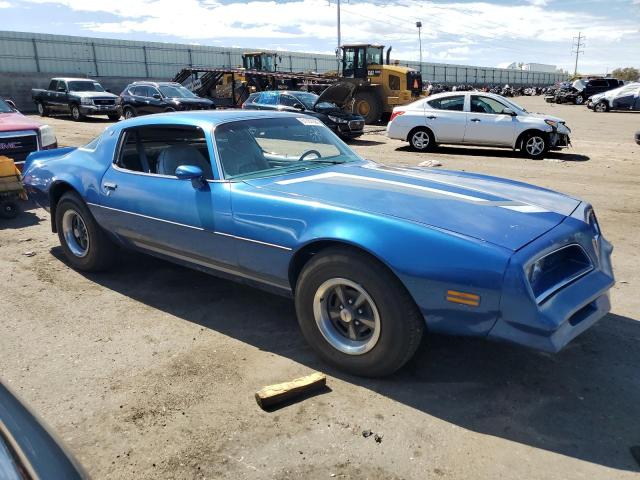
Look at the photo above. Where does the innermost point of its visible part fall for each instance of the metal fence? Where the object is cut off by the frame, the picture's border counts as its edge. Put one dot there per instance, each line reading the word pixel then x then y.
pixel 97 57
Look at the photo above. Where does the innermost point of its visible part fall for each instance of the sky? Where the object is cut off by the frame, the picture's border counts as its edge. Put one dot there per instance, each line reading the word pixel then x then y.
pixel 483 33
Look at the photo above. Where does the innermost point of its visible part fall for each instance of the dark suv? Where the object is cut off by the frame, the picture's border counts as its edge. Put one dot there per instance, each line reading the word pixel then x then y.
pixel 326 107
pixel 142 98
pixel 582 89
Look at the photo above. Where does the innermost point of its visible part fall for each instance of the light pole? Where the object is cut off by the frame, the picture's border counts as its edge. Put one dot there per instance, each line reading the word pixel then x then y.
pixel 419 25
pixel 339 40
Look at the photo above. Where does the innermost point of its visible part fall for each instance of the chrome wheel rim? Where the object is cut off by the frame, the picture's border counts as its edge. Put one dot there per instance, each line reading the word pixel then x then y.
pixel 420 140
pixel 346 316
pixel 75 113
pixel 579 100
pixel 75 233
pixel 128 114
pixel 40 109
pixel 535 145
pixel 600 107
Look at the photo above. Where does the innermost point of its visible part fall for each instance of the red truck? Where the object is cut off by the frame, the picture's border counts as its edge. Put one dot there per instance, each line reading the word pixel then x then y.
pixel 20 135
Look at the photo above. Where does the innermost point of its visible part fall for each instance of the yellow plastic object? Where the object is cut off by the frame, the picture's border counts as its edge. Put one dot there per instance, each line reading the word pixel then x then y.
pixel 7 167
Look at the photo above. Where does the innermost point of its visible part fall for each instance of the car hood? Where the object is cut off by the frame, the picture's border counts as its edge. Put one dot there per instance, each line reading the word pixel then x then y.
pixel 94 94
pixel 503 212
pixel 339 93
pixel 16 121
pixel 544 116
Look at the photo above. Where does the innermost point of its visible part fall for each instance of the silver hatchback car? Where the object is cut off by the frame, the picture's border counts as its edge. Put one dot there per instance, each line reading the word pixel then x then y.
pixel 477 118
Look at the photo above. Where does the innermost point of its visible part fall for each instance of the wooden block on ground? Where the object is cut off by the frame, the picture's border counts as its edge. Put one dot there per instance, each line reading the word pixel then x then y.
pixel 274 394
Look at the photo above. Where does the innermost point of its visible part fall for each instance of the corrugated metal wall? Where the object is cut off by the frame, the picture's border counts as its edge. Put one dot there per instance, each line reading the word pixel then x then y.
pixel 97 57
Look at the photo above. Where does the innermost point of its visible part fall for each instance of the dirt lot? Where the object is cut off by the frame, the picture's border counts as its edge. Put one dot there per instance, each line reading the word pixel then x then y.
pixel 149 371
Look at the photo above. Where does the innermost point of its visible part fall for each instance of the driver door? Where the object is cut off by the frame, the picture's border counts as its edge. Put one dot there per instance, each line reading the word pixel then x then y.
pixel 155 211
pixel 487 125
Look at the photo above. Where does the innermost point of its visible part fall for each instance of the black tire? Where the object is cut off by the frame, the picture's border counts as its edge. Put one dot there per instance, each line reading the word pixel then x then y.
pixel 76 114
pixel 100 251
pixel 601 107
pixel 526 147
pixel 421 139
pixel 114 117
pixel 42 110
pixel 401 324
pixel 579 100
pixel 368 106
pixel 9 209
pixel 128 113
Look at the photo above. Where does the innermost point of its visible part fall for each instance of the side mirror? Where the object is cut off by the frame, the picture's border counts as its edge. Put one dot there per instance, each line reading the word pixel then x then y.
pixel 157 96
pixel 508 111
pixel 11 104
pixel 298 106
pixel 191 172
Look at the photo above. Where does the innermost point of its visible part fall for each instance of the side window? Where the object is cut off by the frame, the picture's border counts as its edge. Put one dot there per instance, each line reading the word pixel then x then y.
pixel 269 98
pixel 485 105
pixel 394 82
pixel 135 91
pixel 288 100
pixel 253 98
pixel 598 83
pixel 62 86
pixel 53 85
pixel 151 91
pixel 455 103
pixel 162 149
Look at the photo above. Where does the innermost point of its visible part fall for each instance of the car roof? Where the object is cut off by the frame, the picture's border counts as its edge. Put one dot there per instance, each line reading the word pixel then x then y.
pixel 72 79
pixel 203 118
pixel 154 84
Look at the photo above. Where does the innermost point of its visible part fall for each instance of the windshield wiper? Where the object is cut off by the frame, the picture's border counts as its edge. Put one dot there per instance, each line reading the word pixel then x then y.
pixel 322 160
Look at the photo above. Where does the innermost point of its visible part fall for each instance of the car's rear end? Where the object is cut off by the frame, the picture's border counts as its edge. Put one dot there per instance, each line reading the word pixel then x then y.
pixel 557 286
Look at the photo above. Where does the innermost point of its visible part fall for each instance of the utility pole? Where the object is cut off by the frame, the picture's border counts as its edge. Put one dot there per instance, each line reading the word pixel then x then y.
pixel 578 44
pixel 419 25
pixel 339 40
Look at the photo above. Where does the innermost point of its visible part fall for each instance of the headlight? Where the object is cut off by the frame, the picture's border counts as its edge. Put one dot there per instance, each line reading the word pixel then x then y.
pixel 337 119
pixel 47 136
pixel 86 101
pixel 551 123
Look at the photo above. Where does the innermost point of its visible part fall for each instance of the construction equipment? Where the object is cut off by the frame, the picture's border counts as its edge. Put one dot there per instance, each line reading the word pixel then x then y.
pixel 11 189
pixel 381 86
pixel 261 61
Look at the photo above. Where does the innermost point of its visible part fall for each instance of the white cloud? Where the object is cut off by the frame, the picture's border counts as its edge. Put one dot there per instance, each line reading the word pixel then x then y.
pixel 519 30
pixel 5 5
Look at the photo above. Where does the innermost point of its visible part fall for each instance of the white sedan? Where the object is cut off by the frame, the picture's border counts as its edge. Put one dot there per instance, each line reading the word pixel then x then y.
pixel 476 118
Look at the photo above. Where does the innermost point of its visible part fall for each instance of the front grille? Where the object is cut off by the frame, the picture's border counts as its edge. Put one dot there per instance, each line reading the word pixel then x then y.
pixel 17 145
pixel 104 101
pixel 356 125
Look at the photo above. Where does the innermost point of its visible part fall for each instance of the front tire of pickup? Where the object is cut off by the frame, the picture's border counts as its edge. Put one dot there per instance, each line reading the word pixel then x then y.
pixel 42 111
pixel 85 244
pixel 76 114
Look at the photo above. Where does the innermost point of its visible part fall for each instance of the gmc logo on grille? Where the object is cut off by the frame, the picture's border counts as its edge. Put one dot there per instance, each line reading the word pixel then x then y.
pixel 10 145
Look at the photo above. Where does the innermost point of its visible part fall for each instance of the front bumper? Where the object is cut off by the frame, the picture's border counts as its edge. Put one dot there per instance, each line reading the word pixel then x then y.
pixel 558 319
pixel 345 130
pixel 98 109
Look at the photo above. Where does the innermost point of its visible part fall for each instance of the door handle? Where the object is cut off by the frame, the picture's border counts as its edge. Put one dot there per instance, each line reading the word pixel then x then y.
pixel 431 117
pixel 475 120
pixel 109 186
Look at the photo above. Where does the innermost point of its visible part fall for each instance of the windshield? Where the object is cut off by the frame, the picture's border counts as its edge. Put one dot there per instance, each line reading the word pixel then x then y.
pixel 4 107
pixel 82 86
pixel 274 146
pixel 176 92
pixel 514 104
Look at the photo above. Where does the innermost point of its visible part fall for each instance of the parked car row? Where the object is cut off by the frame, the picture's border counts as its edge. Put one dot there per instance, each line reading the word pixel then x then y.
pixel 579 91
pixel 626 98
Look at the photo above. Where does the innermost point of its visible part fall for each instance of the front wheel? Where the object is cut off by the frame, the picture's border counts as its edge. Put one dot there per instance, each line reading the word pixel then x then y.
pixel 356 314
pixel 86 246
pixel 601 107
pixel 9 209
pixel 114 117
pixel 42 111
pixel 535 146
pixel 129 113
pixel 75 113
pixel 367 105
pixel 579 100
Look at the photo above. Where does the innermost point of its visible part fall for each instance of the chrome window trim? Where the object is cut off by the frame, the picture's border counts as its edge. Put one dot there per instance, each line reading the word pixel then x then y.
pixel 550 291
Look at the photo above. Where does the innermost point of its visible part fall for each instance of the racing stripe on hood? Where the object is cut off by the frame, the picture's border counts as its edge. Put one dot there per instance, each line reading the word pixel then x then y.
pixel 393 184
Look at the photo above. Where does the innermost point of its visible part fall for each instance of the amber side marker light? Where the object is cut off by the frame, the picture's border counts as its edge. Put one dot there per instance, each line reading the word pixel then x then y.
pixel 464 298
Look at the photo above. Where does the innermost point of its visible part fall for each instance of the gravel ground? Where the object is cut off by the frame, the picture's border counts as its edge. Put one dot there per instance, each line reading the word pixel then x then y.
pixel 149 371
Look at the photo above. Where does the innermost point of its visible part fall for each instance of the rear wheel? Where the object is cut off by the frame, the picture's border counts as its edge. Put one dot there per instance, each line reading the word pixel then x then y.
pixel 601 106
pixel 114 117
pixel 535 145
pixel 356 314
pixel 129 113
pixel 421 139
pixel 579 100
pixel 367 105
pixel 9 209
pixel 86 246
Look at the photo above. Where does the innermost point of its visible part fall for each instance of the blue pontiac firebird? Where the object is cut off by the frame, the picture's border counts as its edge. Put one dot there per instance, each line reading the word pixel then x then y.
pixel 373 255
